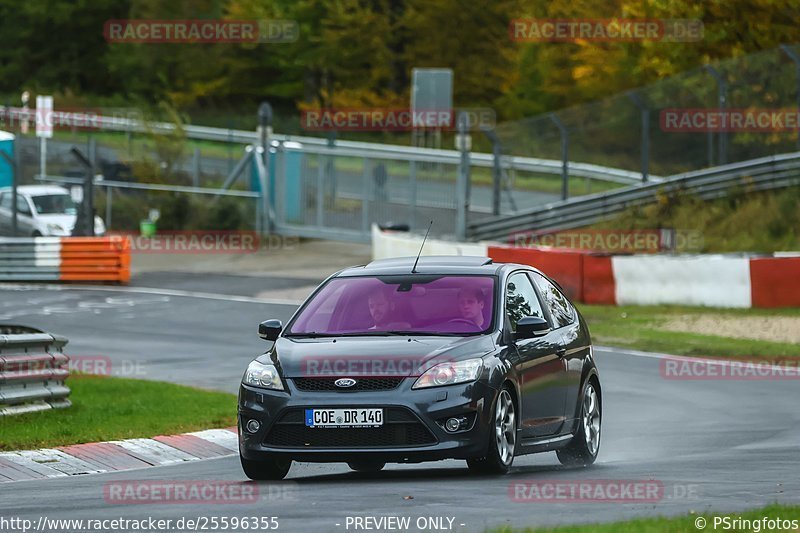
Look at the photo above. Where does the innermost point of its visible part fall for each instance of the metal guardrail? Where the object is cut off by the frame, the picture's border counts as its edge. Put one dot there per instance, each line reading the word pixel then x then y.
pixel 65 259
pixel 33 370
pixel 759 174
pixel 358 149
pixel 477 159
pixel 99 182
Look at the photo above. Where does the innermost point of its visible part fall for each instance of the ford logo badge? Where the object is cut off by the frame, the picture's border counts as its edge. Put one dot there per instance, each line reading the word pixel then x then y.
pixel 344 382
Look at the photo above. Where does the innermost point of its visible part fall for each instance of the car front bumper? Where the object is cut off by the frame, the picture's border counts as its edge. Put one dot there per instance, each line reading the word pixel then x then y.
pixel 412 432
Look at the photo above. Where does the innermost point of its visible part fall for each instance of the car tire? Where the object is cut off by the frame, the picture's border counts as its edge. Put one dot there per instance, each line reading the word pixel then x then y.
pixel 366 466
pixel 266 470
pixel 502 438
pixel 36 234
pixel 585 444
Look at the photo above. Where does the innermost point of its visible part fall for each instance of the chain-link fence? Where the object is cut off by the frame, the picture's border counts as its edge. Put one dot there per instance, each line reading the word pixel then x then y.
pixel 633 131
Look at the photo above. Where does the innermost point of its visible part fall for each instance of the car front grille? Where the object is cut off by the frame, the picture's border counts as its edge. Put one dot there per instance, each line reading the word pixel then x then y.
pixel 400 429
pixel 362 384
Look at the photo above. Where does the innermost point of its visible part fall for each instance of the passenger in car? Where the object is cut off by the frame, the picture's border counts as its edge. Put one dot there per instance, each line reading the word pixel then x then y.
pixel 470 303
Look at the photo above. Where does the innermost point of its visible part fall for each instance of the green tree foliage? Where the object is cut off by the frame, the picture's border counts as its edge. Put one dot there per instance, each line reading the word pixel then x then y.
pixel 570 73
pixel 361 52
pixel 57 44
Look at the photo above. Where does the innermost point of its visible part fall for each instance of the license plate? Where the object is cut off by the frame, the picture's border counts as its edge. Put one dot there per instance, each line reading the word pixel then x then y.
pixel 344 418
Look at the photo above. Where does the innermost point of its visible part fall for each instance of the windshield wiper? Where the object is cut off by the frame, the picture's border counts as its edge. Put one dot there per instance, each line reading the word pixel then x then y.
pixel 387 333
pixel 308 334
pixel 370 334
pixel 399 333
pixel 419 333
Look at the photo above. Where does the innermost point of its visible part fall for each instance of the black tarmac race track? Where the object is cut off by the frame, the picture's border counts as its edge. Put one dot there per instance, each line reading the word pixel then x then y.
pixel 708 445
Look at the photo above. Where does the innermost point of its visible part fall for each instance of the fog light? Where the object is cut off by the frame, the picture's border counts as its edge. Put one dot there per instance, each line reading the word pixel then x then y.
pixel 253 426
pixel 452 424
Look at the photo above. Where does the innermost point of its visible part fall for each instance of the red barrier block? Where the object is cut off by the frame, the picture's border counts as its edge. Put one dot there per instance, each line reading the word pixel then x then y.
pixel 775 281
pixel 564 266
pixel 598 280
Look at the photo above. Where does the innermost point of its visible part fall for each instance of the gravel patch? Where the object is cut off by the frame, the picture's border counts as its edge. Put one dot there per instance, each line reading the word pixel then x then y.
pixel 763 328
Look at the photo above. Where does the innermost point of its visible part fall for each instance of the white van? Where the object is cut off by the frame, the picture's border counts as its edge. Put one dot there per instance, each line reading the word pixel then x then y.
pixel 42 211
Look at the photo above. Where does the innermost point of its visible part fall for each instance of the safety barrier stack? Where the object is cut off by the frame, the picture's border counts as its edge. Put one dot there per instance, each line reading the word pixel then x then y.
pixel 86 259
pixel 33 371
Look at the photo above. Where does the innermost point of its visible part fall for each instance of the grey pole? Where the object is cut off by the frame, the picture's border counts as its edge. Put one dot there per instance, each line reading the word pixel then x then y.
pixel 462 185
pixel 88 190
pixel 789 51
pixel 365 195
pixel 264 125
pixel 645 138
pixel 196 168
pixel 497 171
pixel 564 155
pixel 722 99
pixel 109 199
pixel 13 164
pixel 86 216
pixel 265 130
pixel 92 152
pixel 412 177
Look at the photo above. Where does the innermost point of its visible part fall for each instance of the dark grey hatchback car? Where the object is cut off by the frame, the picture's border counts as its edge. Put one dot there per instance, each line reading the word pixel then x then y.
pixel 453 357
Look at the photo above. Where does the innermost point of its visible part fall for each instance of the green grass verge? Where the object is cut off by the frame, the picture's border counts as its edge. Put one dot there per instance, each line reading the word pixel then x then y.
pixel 109 408
pixel 638 327
pixel 682 524
pixel 744 220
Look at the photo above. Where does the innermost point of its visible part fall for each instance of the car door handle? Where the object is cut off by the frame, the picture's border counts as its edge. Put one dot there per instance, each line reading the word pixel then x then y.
pixel 561 352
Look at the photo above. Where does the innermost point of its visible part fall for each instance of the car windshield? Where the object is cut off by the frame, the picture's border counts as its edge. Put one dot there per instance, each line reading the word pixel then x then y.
pixel 387 305
pixel 54 204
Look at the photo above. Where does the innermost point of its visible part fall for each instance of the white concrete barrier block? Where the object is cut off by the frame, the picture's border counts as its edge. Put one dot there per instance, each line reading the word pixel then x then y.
pixel 388 244
pixel 703 280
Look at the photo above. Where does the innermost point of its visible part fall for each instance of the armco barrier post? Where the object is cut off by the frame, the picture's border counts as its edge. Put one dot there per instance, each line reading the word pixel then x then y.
pixel 33 371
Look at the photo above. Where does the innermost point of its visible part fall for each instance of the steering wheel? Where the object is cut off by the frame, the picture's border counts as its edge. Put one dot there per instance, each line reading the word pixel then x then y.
pixel 462 321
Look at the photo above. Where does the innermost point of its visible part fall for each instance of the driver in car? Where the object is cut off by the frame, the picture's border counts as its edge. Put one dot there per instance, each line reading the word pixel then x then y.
pixel 382 311
pixel 470 303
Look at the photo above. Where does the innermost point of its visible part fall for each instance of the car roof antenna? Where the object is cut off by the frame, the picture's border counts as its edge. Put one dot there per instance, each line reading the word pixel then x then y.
pixel 414 268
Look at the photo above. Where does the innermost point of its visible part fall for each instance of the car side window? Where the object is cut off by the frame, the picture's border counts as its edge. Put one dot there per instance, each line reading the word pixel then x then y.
pixel 5 200
pixel 23 206
pixel 521 300
pixel 561 310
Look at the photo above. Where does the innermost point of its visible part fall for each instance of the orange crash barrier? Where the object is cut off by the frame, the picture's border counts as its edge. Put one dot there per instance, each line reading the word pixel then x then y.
pixel 95 259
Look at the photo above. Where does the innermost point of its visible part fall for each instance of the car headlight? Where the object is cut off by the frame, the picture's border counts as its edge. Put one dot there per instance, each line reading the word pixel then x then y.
pixel 264 376
pixel 55 228
pixel 450 374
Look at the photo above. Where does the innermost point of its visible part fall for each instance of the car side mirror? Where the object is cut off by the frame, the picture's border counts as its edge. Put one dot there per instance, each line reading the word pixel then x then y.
pixel 531 326
pixel 270 329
